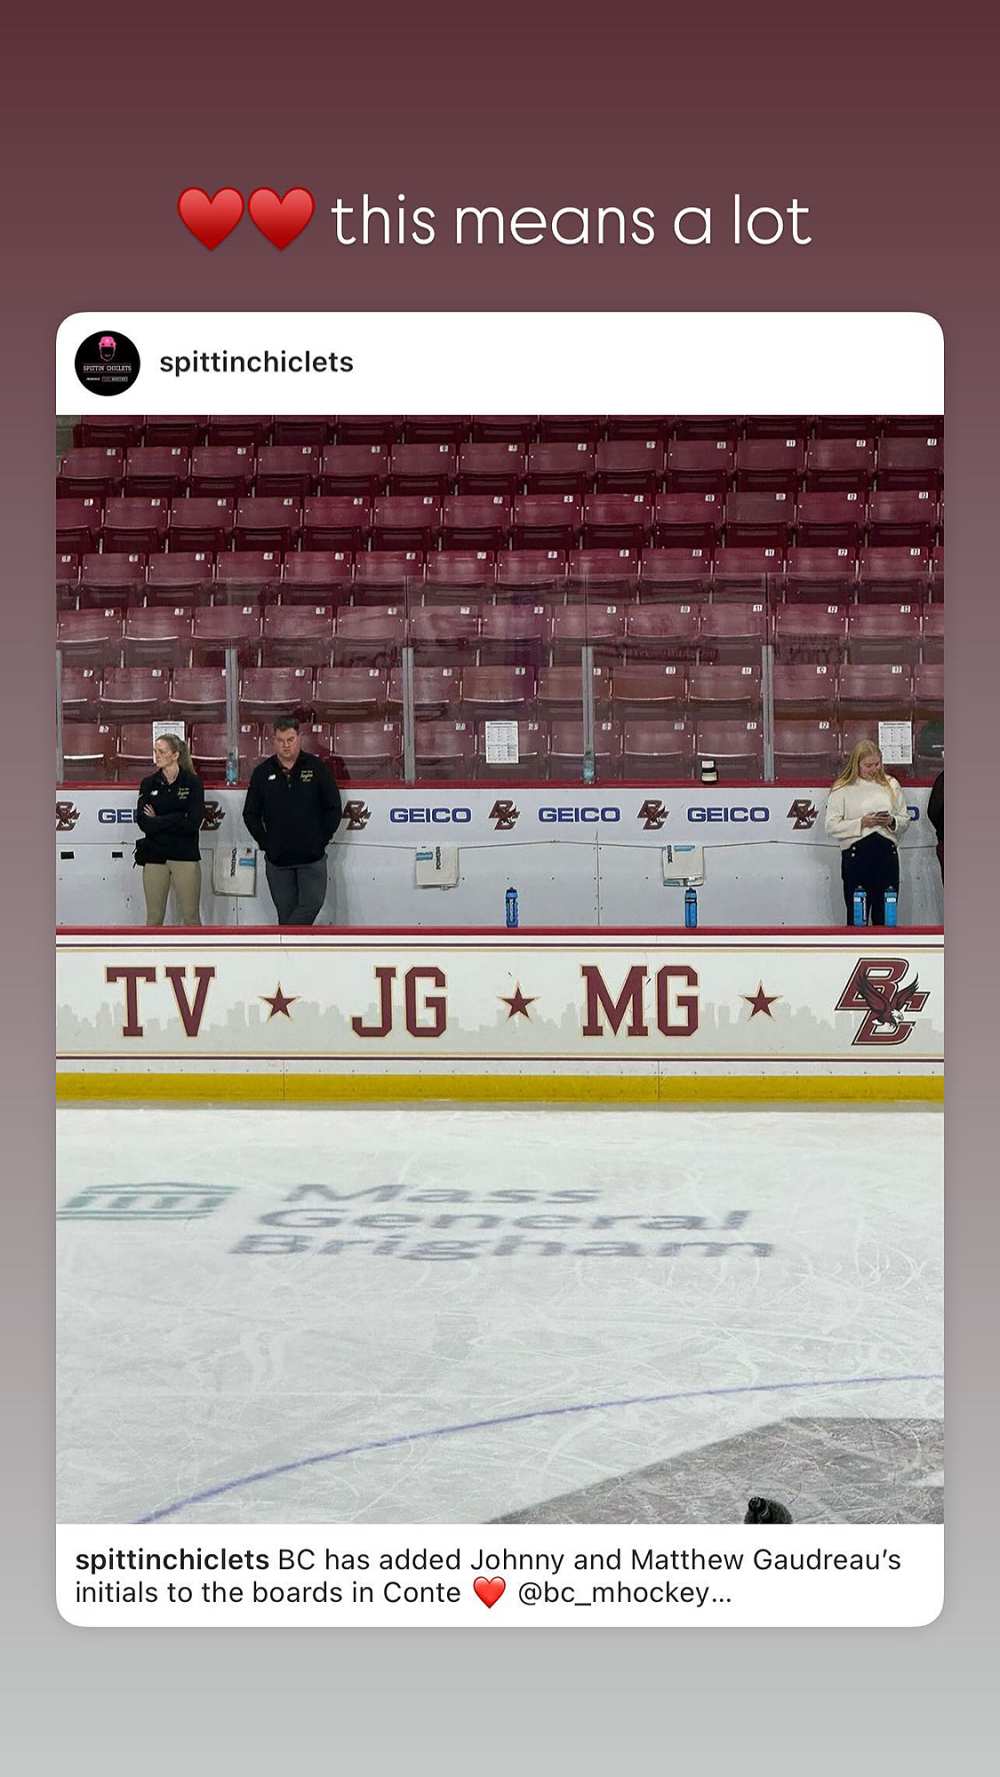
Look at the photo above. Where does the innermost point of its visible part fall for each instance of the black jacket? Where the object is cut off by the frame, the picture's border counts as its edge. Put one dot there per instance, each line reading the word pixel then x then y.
pixel 292 815
pixel 172 833
pixel 935 807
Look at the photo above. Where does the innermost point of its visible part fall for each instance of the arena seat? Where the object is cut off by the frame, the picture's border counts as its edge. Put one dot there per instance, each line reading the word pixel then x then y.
pixel 497 690
pixel 368 750
pixel 665 631
pixel 459 573
pixel 713 427
pixel 90 474
pixel 532 748
pixel 215 628
pixel 436 690
pixel 878 633
pixel 504 428
pixel 317 576
pixel 881 692
pixel 648 690
pixel 78 525
pixel 112 579
pixel 475 521
pixel 805 689
pixel 820 573
pixel 244 430
pixel 910 462
pixel 512 633
pixel 806 751
pixel 932 635
pixel 806 634
pixel 210 748
pixel 655 749
pixel 383 429
pixel 724 690
pixel 830 519
pixel 350 693
pixel 844 425
pixel 560 468
pixel 182 579
pixel 638 428
pixel 566 750
pixel 223 471
pixel 775 425
pixel 79 692
pixel 90 637
pixel 245 574
pixel 546 521
pixel 674 572
pixel 158 635
pixel 198 693
pixel 181 431
pixel 524 572
pixel 616 521
pixel 359 471
pixel 699 465
pixel 67 581
pixel 840 464
pixel 764 464
pixel 882 572
pixel 444 749
pixel 687 520
pixel 733 633
pixel 297 635
pixel 422 469
pixel 134 525
pixel 272 522
pixel 134 751
pixel 760 517
pixel 114 431
pixel 301 429
pixel 88 751
pixel 737 748
pixel 369 635
pixel 451 429
pixel 630 466
pixel 928 690
pixel 379 573
pixel 287 471
pixel 570 428
pixel 589 622
pixel 405 521
pixel 335 521
pixel 444 630
pixel 560 689
pixel 131 691
pixel 159 470
pixel 603 573
pixel 492 469
pixel 747 571
pixel 268 691
pixel 904 516
pixel 201 523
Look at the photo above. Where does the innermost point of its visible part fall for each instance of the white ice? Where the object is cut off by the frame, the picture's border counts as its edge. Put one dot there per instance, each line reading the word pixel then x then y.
pixel 189 1367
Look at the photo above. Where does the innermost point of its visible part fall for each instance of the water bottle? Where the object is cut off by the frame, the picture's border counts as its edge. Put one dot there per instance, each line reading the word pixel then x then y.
pixel 890 907
pixel 589 772
pixel 510 902
pixel 232 768
pixel 691 907
pixel 860 917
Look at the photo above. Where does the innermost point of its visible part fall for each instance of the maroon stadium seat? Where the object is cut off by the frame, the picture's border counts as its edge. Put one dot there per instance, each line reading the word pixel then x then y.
pixel 222 471
pixel 79 692
pixel 90 638
pixel 367 751
pixel 336 521
pixel 317 576
pixel 160 470
pixel 560 468
pixel 268 691
pixel 759 517
pixel 492 469
pixel 566 752
pixel 840 464
pixel 639 427
pixel 78 525
pixel 686 520
pixel 405 521
pixel 649 690
pixel 437 428
pixel 67 581
pixel 444 749
pixel 911 425
pixel 830 519
pixel 699 465
pixel 546 521
pixel 158 635
pixel 383 429
pixel 134 751
pixel 422 469
pixel 444 630
pixel 606 573
pixel 590 621
pixel 460 573
pixel 656 749
pixel 733 633
pixel 297 635
pixel 88 751
pixel 210 748
pixel 497 690
pixel 805 690
pixel 267 523
pixel 570 428
pixel 183 579
pixel 350 693
pixel 617 521
pixel 112 431
pixel 674 572
pixel 883 574
pixel 748 572
pixel 504 428
pixel 630 466
pixel 736 747
pixel 184 430
pixel 932 645
pixel 379 573
pixel 724 690
pixel 369 636
pixel 806 751
pixel 112 579
pixel 911 462
pixel 301 429
pixel 287 471
pixel 928 690
pixel 245 574
pixel 475 521
pixel 198 693
pixel 809 634
pixel 218 627
pixel 560 688
pixel 204 523
pixel 134 526
pixel 436 689
pixel 775 425
pixel 903 516
pixel 513 633
pixel 844 425
pixel 662 632
pixel 821 573
pixel 882 692
pixel 524 572
pixel 128 692
pixel 90 474
pixel 765 463
pixel 883 633
pixel 359 470
pixel 715 428
pixel 532 746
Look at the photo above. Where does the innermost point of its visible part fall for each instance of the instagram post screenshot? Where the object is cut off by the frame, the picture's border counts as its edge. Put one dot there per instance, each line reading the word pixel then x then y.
pixel 499 876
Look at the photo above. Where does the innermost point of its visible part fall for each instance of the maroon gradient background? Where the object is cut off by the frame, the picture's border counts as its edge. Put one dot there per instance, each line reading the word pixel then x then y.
pixel 882 118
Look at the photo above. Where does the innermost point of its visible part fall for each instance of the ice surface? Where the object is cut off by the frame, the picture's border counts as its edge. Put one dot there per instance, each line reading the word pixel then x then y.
pixel 483 1359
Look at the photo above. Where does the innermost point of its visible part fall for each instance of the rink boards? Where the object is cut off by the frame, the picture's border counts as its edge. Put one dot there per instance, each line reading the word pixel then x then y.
pixel 487 1015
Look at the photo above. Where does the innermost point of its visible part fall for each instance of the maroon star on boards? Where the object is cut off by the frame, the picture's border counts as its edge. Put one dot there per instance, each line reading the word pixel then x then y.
pixel 760 1001
pixel 279 1002
pixel 518 1003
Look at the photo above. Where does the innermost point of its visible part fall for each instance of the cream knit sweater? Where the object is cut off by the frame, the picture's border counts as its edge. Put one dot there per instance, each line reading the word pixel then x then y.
pixel 846 807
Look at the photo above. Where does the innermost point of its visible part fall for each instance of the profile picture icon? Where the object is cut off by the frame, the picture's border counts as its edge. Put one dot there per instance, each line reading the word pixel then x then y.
pixel 106 363
pixel 107 346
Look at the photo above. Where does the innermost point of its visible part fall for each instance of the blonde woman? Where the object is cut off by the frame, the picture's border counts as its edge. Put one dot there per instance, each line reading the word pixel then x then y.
pixel 866 814
pixel 169 812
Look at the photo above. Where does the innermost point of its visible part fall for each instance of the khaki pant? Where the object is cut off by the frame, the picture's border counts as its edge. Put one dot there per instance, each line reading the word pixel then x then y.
pixel 185 878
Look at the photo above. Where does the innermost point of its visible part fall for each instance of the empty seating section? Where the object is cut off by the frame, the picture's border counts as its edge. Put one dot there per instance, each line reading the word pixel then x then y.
pixel 728 576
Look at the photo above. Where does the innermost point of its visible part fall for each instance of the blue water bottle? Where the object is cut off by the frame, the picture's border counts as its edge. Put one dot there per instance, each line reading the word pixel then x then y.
pixel 691 907
pixel 511 907
pixel 860 908
pixel 890 907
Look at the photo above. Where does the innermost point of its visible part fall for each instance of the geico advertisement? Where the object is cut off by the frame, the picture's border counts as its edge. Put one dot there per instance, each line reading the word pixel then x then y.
pixel 609 815
pixel 869 999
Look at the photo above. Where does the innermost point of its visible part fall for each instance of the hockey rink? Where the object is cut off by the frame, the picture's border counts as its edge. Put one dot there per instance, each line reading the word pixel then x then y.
pixel 425 1314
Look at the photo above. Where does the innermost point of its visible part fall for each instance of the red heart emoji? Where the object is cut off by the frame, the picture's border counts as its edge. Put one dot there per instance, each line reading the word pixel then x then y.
pixel 281 219
pixel 210 219
pixel 489 1591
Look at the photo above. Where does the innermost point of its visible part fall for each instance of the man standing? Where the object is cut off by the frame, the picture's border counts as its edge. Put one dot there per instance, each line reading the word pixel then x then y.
pixel 292 810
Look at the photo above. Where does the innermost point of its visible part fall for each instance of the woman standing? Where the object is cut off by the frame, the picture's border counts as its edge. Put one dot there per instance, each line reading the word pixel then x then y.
pixel 866 814
pixel 169 812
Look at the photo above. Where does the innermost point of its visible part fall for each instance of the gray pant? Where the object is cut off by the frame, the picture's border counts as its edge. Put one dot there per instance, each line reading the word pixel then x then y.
pixel 298 891
pixel 184 878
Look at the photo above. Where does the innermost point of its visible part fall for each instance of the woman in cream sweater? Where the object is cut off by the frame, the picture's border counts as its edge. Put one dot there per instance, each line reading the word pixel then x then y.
pixel 866 814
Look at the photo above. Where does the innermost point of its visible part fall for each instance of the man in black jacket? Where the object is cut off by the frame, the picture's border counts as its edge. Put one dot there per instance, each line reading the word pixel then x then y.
pixel 292 810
